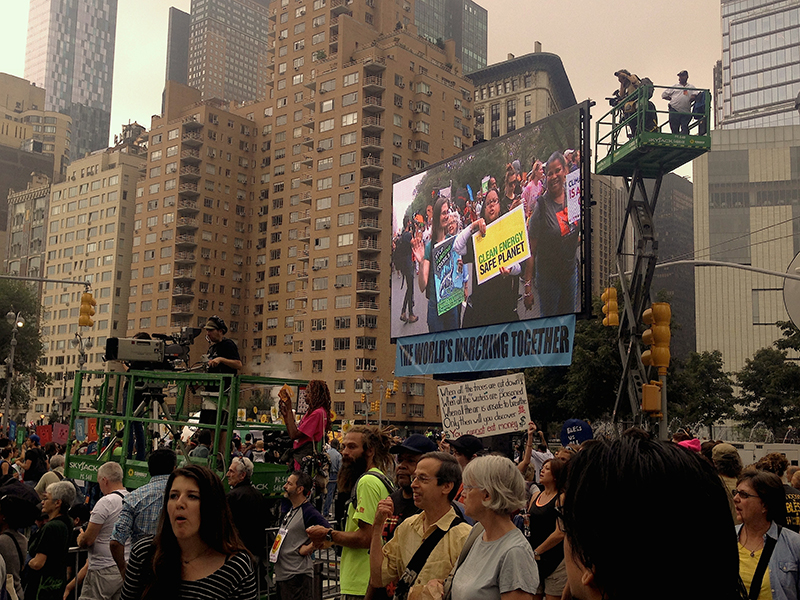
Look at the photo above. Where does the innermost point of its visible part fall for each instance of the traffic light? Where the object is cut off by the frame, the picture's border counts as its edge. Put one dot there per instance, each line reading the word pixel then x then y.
pixel 87 310
pixel 388 393
pixel 651 397
pixel 396 385
pixel 610 308
pixel 658 317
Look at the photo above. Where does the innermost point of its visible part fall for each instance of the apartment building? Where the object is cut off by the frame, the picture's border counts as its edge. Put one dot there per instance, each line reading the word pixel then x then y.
pixel 194 220
pixel 357 104
pixel 275 215
pixel 24 123
pixel 519 91
pixel 89 238
pixel 28 228
pixel 227 56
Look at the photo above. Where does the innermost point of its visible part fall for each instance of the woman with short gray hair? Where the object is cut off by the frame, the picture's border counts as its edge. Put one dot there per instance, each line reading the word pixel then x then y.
pixel 500 564
pixel 48 567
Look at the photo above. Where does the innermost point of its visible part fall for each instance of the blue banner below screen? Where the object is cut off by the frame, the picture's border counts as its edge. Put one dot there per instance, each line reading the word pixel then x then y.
pixel 530 343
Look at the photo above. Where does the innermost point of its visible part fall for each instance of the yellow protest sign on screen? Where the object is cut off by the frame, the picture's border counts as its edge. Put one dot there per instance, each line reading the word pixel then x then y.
pixel 504 245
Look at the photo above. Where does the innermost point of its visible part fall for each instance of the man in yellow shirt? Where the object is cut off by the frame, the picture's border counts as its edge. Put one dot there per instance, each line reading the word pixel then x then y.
pixel 438 476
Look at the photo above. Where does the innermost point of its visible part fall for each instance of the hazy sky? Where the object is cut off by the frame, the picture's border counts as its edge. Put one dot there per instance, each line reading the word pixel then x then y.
pixel 593 39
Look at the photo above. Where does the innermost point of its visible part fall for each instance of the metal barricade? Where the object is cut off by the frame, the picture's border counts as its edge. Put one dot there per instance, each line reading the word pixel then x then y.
pixel 80 556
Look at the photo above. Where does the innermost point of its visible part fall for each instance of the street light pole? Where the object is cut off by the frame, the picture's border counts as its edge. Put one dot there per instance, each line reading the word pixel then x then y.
pixel 16 321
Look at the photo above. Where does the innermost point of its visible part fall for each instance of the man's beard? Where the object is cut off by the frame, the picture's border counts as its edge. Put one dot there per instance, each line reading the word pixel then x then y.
pixel 350 472
pixel 404 482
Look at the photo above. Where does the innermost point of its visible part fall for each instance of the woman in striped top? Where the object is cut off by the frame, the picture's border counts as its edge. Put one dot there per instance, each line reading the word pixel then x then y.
pixel 197 553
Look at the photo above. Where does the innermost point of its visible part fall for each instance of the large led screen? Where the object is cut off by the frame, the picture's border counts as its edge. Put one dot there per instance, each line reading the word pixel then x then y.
pixel 494 235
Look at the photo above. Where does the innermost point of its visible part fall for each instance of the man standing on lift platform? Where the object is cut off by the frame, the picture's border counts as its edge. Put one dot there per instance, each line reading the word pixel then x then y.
pixel 223 355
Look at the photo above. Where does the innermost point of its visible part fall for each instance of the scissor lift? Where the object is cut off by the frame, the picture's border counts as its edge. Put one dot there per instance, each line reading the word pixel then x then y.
pixel 624 147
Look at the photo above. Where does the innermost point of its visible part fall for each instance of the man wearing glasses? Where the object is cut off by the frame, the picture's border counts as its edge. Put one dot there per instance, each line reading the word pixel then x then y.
pixel 425 546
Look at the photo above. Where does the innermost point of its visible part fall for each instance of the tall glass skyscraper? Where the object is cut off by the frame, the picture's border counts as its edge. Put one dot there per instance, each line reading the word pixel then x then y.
pixel 760 63
pixel 463 21
pixel 70 53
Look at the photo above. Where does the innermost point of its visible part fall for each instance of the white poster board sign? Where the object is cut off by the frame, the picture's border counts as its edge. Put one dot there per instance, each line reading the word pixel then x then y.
pixel 484 407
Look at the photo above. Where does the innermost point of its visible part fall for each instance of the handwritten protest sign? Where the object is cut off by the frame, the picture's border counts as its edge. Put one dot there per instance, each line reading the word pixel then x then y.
pixel 504 245
pixel 448 276
pixel 574 196
pixel 484 407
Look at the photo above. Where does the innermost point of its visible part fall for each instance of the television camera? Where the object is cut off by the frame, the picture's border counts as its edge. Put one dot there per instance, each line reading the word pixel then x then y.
pixel 164 352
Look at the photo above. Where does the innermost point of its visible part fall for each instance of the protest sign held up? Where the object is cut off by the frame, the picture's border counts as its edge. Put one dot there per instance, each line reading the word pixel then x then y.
pixel 484 407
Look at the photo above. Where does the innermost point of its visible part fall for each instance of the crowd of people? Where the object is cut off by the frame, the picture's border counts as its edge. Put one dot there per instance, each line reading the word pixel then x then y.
pixel 553 230
pixel 424 517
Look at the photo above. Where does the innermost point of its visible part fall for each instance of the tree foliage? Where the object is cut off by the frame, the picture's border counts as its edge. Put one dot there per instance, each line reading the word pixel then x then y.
pixel 770 387
pixel 791 336
pixel 19 296
pixel 586 389
pixel 700 391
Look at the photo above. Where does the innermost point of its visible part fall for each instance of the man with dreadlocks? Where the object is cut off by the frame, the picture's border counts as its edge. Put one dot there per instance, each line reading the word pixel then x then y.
pixel 365 459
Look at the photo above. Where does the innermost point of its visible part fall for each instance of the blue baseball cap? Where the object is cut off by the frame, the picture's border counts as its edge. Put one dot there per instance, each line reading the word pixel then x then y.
pixel 416 443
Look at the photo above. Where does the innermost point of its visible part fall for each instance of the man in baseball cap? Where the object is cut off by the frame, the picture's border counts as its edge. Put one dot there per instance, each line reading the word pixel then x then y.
pixel 408 453
pixel 465 448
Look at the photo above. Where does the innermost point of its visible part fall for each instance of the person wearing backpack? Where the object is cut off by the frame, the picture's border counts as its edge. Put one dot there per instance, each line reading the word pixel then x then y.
pixel 426 545
pixel 365 459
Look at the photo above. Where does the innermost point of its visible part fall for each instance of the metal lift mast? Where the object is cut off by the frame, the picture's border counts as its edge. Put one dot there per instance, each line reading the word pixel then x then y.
pixel 647 153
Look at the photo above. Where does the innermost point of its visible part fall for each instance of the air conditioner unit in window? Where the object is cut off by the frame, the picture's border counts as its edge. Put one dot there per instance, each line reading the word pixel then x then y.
pixel 398 144
pixel 373 368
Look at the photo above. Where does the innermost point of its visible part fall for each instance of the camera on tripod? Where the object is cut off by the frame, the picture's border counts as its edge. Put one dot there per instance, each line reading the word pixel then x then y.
pixel 161 353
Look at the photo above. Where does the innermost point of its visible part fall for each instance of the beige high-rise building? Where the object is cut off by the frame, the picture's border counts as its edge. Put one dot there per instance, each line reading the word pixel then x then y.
pixel 89 238
pixel 24 123
pixel 519 91
pixel 27 224
pixel 276 215
pixel 608 216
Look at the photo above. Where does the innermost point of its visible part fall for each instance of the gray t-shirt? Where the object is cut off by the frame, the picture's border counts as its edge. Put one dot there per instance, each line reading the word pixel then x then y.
pixel 290 563
pixel 494 568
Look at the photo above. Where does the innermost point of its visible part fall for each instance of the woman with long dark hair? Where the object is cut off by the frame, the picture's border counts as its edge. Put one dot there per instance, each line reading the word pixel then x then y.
pixel 314 423
pixel 423 254
pixel 196 553
pixel 546 539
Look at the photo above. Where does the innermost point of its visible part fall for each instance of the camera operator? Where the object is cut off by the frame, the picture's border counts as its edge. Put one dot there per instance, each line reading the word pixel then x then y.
pixel 223 355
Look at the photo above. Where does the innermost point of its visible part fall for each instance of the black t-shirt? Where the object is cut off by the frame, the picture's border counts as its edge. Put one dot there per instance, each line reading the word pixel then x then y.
pixel 48 583
pixel 224 349
pixel 557 238
pixel 38 465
